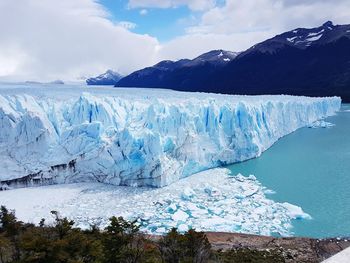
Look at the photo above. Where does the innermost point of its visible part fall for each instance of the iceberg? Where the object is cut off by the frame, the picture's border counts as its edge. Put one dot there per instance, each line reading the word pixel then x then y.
pixel 138 137
pixel 321 124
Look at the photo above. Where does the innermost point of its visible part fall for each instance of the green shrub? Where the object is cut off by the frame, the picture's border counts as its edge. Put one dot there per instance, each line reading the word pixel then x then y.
pixel 120 242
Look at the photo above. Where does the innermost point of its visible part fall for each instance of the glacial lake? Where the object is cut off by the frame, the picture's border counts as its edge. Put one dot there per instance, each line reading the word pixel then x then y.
pixel 310 168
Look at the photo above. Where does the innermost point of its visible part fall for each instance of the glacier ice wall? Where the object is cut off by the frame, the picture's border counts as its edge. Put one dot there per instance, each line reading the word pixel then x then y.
pixel 140 140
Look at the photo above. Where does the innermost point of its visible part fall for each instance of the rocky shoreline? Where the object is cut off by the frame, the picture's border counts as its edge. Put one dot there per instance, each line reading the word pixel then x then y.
pixel 293 249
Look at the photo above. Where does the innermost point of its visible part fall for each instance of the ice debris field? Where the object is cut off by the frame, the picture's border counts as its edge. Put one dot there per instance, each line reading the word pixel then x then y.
pixel 101 137
pixel 211 200
pixel 137 137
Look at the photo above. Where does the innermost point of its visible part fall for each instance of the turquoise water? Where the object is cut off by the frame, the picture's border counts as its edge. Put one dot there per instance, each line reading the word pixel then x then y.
pixel 310 168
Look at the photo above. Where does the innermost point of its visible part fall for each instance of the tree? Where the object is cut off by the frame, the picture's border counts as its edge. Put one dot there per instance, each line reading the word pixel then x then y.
pixel 122 242
pixel 5 249
pixel 62 225
pixel 12 229
pixel 8 222
pixel 197 246
pixel 171 247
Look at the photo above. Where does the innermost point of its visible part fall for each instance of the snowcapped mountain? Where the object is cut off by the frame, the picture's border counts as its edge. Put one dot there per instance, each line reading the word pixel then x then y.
pixel 55 82
pixel 303 38
pixel 159 73
pixel 303 61
pixel 141 138
pixel 110 77
pixel 214 57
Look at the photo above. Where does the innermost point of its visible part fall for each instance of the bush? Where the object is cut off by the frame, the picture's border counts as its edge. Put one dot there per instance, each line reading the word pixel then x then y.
pixel 119 242
pixel 245 255
pixel 191 247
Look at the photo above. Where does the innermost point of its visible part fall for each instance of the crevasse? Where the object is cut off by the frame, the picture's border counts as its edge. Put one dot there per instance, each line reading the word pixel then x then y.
pixel 145 140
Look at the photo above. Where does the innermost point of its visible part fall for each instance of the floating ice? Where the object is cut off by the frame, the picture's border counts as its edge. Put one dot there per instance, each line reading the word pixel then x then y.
pixel 180 216
pixel 296 212
pixel 241 205
pixel 138 137
pixel 321 124
pixel 188 193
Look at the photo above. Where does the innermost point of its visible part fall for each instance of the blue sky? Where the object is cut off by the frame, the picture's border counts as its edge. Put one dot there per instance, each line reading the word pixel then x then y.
pixel 162 23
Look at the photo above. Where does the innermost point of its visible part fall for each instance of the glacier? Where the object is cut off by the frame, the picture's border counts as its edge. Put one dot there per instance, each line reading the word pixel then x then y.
pixel 137 137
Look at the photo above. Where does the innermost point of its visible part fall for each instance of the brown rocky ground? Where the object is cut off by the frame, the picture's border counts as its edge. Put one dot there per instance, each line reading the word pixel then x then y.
pixel 293 249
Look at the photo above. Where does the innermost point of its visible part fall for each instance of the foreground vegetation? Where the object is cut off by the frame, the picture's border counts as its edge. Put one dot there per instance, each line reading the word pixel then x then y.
pixel 121 241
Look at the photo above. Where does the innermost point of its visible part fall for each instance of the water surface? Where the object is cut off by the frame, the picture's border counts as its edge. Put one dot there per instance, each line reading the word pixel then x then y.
pixel 310 168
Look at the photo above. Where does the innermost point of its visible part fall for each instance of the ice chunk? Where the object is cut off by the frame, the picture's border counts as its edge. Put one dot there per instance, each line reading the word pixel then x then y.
pixel 188 193
pixel 211 190
pixel 180 216
pixel 321 124
pixel 296 212
pixel 172 208
pixel 182 228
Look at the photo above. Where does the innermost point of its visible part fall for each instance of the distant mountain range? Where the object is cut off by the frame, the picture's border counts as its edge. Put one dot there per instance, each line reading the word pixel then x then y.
pixel 110 77
pixel 164 73
pixel 311 62
pixel 57 82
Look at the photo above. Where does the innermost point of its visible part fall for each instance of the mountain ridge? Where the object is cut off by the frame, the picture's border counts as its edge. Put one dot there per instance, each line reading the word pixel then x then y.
pixel 110 77
pixel 303 61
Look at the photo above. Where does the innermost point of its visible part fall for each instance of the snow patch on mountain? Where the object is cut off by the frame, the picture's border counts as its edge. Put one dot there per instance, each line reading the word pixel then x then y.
pixel 315 38
pixel 291 39
pixel 315 33
pixel 301 38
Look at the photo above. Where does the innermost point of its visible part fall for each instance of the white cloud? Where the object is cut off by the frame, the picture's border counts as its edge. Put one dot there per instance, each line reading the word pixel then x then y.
pixel 192 45
pixel 237 24
pixel 143 12
pixel 127 24
pixel 66 39
pixel 271 15
pixel 197 5
pixel 46 40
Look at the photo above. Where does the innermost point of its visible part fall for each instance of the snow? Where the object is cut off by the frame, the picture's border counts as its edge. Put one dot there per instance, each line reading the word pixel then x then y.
pixel 227 59
pixel 315 34
pixel 137 137
pixel 291 39
pixel 108 77
pixel 341 257
pixel 218 201
pixel 315 38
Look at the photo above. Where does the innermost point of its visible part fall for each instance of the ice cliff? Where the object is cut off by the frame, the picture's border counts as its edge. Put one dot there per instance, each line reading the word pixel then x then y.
pixel 137 137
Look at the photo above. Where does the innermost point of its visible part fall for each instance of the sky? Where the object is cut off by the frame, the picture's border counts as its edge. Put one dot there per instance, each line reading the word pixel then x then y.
pixel 44 40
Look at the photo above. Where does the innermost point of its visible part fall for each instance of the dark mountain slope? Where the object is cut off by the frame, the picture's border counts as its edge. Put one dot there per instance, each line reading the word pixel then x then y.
pixel 311 62
pixel 160 75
